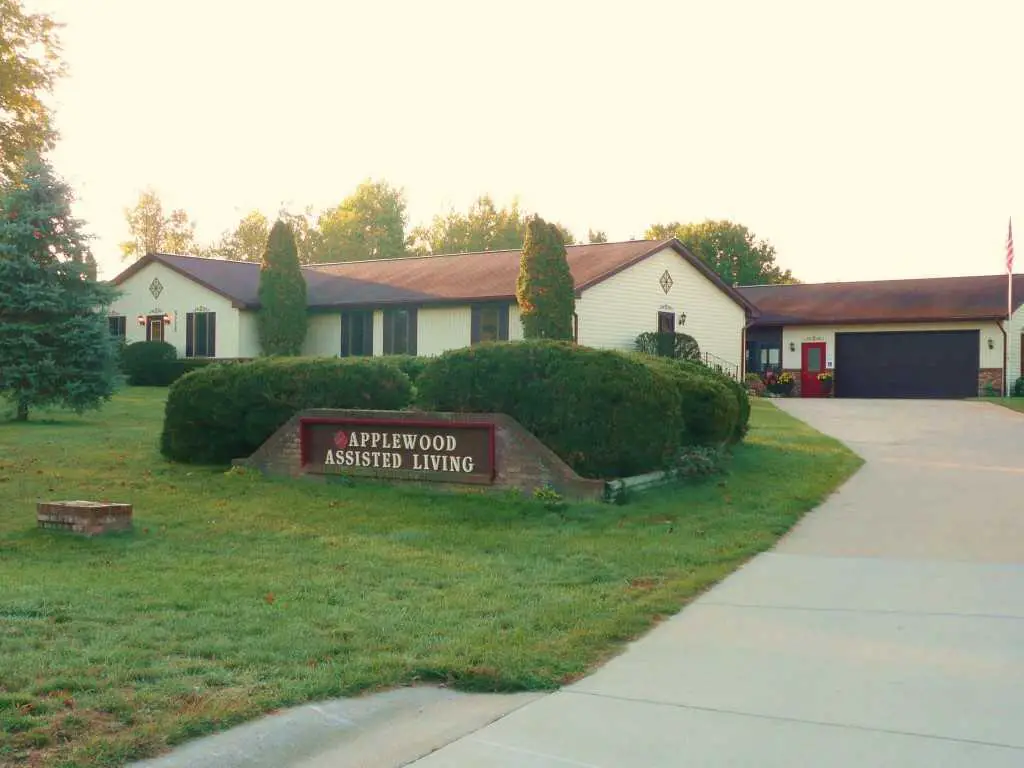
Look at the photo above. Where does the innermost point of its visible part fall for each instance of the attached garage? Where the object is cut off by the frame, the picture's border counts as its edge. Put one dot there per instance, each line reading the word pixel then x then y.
pixel 907 364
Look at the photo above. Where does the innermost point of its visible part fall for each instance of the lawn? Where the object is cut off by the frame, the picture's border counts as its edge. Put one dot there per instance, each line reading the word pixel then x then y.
pixel 235 595
pixel 1013 403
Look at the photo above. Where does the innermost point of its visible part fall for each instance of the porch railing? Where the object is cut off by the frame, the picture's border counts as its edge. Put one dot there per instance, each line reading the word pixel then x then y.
pixel 722 366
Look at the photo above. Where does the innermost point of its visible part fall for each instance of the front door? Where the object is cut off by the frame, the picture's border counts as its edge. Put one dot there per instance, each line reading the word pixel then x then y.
pixel 812 362
pixel 155 328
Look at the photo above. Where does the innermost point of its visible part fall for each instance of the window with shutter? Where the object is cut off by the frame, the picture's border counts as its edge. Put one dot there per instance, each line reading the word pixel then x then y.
pixel 201 334
pixel 357 333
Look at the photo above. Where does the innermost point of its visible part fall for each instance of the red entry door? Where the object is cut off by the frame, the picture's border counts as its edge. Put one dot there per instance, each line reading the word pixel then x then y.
pixel 812 362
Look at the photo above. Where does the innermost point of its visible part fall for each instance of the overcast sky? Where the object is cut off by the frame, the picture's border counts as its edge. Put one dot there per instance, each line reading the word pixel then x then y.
pixel 864 140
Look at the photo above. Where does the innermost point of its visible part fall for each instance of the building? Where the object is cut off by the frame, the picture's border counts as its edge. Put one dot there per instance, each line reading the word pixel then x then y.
pixel 426 305
pixel 941 337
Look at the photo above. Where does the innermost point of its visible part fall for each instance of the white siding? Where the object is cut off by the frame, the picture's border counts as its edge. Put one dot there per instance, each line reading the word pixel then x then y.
pixel 323 335
pixel 515 324
pixel 614 312
pixel 987 358
pixel 378 333
pixel 179 296
pixel 248 334
pixel 442 328
pixel 1014 331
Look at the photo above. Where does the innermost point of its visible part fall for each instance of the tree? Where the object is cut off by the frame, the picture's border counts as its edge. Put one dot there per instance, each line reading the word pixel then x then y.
pixel 308 238
pixel 55 344
pixel 151 231
pixel 545 289
pixel 368 224
pixel 596 236
pixel 282 319
pixel 484 227
pixel 247 241
pixel 29 67
pixel 730 249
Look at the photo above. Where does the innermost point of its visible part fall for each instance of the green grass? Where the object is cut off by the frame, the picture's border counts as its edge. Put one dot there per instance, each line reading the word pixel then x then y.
pixel 235 595
pixel 1013 403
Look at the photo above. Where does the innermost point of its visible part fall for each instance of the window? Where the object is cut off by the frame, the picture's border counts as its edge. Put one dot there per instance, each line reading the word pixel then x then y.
pixel 356 334
pixel 771 357
pixel 399 332
pixel 489 323
pixel 117 326
pixel 201 334
pixel 666 322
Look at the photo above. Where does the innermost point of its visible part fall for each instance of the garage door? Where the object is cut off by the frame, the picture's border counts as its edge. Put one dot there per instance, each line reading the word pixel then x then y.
pixel 907 364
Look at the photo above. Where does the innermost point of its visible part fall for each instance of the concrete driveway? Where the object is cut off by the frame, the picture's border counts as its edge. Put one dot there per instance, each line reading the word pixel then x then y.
pixel 886 630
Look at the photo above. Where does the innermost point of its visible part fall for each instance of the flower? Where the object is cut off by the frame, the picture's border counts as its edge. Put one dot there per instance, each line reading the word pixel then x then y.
pixel 825 376
pixel 785 377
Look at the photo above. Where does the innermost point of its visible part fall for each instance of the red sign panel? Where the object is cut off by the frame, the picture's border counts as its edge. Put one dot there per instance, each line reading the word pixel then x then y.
pixel 454 452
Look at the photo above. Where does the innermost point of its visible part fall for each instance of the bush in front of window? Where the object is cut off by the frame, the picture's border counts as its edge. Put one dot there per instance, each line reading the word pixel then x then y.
pixel 411 365
pixel 150 363
pixel 225 411
pixel 681 346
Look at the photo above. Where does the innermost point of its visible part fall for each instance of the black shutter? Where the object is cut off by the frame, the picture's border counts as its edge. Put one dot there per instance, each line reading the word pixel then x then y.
pixel 346 331
pixel 413 331
pixel 389 331
pixel 474 326
pixel 503 323
pixel 211 331
pixel 368 333
pixel 190 333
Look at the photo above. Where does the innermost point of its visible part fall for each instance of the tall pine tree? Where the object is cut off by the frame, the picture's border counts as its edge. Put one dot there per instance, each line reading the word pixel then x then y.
pixel 55 344
pixel 545 289
pixel 282 318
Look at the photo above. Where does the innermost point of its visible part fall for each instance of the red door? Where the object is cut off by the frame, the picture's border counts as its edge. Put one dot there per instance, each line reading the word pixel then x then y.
pixel 812 362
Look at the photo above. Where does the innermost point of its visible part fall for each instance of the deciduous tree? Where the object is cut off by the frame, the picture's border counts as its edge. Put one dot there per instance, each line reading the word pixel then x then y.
pixel 730 249
pixel 29 67
pixel 152 231
pixel 596 236
pixel 368 224
pixel 247 241
pixel 282 319
pixel 545 289
pixel 55 343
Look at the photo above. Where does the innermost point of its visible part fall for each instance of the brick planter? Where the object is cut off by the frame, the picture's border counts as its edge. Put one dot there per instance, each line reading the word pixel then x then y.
pixel 89 518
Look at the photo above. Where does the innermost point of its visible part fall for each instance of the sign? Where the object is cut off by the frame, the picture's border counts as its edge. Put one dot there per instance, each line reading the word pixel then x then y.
pixel 454 452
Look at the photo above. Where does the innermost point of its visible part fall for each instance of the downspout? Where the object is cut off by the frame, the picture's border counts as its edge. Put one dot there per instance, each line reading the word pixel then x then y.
pixel 1006 373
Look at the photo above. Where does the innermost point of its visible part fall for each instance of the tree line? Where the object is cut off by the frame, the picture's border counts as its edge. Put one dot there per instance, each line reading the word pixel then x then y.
pixel 371 223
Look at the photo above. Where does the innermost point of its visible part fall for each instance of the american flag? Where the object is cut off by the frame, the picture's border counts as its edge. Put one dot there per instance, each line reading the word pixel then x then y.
pixel 1009 248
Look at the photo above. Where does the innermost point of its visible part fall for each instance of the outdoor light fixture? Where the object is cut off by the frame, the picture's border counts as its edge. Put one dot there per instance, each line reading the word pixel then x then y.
pixel 991 344
pixel 792 347
pixel 682 318
pixel 167 319
pixel 141 319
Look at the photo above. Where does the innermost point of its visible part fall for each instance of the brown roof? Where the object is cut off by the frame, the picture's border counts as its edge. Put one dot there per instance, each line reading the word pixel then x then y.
pixel 882 301
pixel 461 277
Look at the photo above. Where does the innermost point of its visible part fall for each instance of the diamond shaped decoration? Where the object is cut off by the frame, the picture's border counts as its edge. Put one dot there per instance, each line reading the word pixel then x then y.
pixel 156 287
pixel 666 282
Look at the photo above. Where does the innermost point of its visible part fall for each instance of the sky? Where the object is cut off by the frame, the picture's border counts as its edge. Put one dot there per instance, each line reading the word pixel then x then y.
pixel 868 140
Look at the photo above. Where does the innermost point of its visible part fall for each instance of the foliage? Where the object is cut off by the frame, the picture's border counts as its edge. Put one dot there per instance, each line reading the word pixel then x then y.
pixel 738 391
pixel 715 408
pixel 308 237
pixel 153 232
pixel 1018 387
pixel 236 595
pixel 755 384
pixel 730 249
pixel 825 377
pixel 29 67
pixel 545 289
pixel 282 319
pixel 678 345
pixel 55 346
pixel 149 363
pixel 227 411
pixel 411 365
pixel 484 227
pixel 368 224
pixel 550 498
pixel 596 236
pixel 697 462
pixel 246 242
pixel 605 413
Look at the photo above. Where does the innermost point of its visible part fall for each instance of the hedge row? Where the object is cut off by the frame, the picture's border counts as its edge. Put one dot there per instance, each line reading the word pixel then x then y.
pixel 156 363
pixel 606 413
pixel 226 411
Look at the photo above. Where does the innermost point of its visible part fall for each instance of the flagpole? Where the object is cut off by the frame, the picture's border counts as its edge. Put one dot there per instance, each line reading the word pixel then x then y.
pixel 1009 306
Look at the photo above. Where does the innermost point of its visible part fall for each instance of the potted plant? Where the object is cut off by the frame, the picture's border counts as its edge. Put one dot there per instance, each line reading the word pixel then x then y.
pixel 826 379
pixel 785 383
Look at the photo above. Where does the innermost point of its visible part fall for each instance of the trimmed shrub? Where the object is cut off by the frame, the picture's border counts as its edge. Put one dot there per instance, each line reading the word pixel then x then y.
pixel 150 363
pixel 711 410
pixel 227 411
pixel 1018 387
pixel 681 346
pixel 411 365
pixel 607 414
pixel 739 392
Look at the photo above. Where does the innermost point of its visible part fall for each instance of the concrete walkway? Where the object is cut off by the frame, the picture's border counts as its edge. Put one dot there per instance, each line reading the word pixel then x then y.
pixel 886 630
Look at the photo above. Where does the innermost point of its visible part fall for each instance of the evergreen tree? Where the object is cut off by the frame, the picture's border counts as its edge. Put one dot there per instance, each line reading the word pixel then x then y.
pixel 55 344
pixel 282 317
pixel 545 289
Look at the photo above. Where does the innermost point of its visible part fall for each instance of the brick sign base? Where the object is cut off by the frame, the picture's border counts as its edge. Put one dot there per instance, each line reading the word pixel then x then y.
pixel 86 517
pixel 454 449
